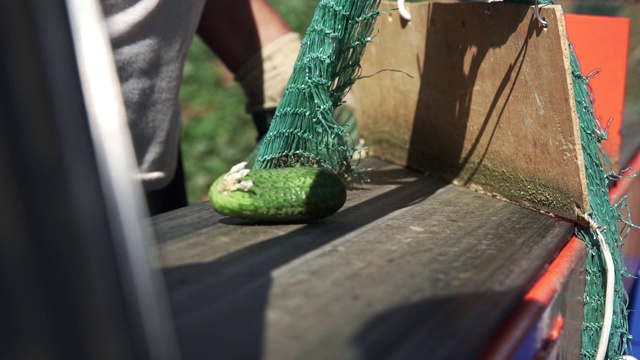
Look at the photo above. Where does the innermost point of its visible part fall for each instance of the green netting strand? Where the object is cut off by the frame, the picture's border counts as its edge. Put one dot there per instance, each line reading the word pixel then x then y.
pixel 303 130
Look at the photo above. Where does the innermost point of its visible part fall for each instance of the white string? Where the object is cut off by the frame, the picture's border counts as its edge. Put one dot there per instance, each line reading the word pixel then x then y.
pixel 609 293
pixel 402 9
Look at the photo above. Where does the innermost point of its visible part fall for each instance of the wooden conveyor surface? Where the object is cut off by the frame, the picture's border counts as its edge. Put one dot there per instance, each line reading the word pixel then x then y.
pixel 410 266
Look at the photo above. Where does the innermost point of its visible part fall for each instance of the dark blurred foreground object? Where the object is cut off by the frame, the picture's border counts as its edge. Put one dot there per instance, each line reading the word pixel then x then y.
pixel 75 275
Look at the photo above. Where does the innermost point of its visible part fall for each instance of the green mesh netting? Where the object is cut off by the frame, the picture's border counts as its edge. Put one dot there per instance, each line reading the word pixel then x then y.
pixel 303 130
pixel 607 216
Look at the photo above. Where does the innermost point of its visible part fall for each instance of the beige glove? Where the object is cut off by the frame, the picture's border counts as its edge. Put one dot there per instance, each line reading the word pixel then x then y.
pixel 264 77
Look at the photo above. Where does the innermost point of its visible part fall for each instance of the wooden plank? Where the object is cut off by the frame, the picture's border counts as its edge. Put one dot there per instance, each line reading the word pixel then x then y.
pixel 410 266
pixel 489 103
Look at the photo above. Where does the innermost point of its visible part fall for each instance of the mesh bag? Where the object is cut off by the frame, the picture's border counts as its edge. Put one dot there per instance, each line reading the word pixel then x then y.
pixel 303 130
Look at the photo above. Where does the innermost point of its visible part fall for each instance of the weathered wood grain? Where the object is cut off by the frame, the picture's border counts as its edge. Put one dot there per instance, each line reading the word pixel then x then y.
pixel 410 268
pixel 488 102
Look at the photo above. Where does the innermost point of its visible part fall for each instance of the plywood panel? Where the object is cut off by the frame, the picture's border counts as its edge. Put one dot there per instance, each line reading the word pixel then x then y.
pixel 480 95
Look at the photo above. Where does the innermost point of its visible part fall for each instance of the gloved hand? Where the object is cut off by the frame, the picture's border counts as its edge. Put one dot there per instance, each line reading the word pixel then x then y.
pixel 264 78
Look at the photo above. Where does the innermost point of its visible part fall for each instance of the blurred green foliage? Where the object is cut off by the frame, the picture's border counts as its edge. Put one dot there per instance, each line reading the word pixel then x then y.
pixel 216 131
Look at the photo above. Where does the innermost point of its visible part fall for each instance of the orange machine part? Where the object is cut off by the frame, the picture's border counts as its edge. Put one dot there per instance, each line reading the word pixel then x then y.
pixel 602 42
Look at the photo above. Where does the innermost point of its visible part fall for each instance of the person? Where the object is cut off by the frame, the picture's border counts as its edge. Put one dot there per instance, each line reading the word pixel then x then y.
pixel 150 40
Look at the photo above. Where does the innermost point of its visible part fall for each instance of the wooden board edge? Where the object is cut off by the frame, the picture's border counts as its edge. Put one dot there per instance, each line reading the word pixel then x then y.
pixel 581 209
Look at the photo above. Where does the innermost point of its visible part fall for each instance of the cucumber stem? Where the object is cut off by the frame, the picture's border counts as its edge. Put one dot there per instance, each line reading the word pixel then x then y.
pixel 232 180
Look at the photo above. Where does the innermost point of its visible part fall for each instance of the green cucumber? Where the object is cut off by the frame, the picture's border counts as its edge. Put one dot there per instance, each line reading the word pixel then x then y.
pixel 283 195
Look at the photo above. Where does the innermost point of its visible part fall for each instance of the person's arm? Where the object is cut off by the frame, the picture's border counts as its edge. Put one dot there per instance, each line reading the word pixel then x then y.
pixel 257 45
pixel 237 29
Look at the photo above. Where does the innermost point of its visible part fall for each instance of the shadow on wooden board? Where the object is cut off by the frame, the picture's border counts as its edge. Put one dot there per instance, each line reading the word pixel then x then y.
pixel 219 305
pixel 488 102
pixel 432 326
